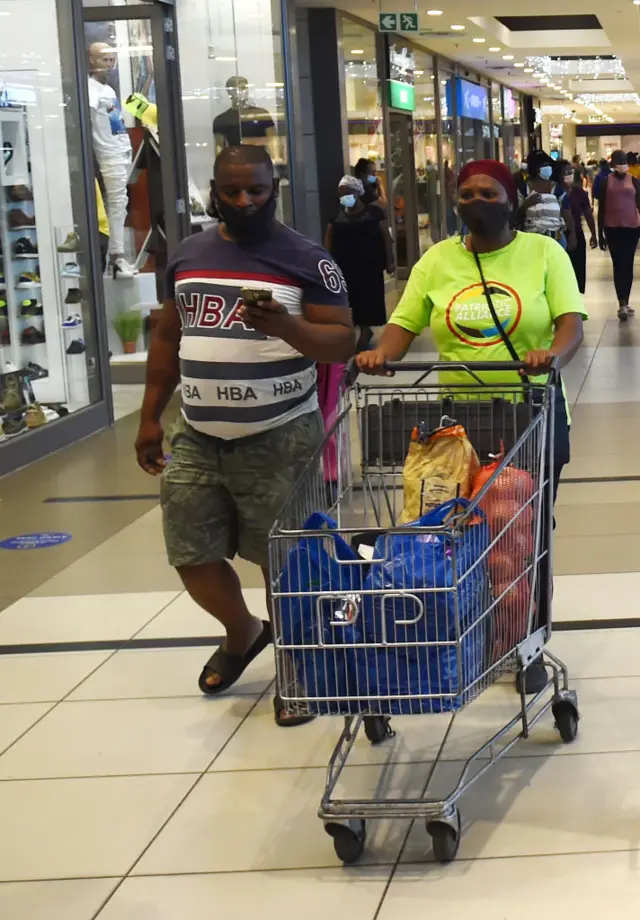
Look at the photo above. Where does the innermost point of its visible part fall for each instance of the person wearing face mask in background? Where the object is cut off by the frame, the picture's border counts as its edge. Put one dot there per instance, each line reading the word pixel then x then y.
pixel 533 287
pixel 619 227
pixel 580 208
pixel 520 178
pixel 545 207
pixel 250 419
pixel 361 244
pixel 365 170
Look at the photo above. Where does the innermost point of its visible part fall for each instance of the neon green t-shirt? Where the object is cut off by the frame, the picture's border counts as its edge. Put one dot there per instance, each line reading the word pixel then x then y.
pixel 531 282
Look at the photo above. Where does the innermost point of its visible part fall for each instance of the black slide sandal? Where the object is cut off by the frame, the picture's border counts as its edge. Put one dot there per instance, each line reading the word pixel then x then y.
pixel 288 721
pixel 230 667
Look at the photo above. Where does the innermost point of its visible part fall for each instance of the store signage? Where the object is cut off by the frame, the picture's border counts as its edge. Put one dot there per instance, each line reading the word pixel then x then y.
pixel 398 22
pixel 402 96
pixel 35 540
pixel 472 100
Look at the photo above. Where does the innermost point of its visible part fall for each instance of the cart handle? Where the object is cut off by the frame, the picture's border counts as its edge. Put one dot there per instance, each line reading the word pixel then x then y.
pixel 428 367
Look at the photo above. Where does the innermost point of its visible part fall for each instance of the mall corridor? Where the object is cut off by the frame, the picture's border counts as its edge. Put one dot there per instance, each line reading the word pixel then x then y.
pixel 126 795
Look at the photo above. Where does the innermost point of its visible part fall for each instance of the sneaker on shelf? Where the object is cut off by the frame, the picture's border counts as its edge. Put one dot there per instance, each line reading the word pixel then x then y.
pixel 76 347
pixel 71 270
pixel 20 193
pixel 32 336
pixel 31 307
pixel 34 416
pixel 18 220
pixel 4 310
pixel 50 414
pixel 24 248
pixel 71 244
pixel 12 396
pixel 36 371
pixel 196 208
pixel 9 367
pixel 72 320
pixel 74 295
pixel 122 269
pixel 14 425
pixel 28 280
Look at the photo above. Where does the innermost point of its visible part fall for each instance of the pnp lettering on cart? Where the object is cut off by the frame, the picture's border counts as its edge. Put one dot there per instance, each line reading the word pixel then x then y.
pixel 284 387
pixel 236 394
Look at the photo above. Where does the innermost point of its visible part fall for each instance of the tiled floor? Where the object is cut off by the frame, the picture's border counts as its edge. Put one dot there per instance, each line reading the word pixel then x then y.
pixel 124 795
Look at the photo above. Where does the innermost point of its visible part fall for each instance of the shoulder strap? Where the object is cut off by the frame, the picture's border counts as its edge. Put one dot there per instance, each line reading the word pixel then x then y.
pixel 503 335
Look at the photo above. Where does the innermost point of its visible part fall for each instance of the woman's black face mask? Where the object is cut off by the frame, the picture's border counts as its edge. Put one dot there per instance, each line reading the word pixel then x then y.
pixel 486 218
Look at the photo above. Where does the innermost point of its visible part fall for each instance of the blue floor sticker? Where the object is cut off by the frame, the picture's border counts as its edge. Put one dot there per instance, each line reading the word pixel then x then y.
pixel 35 540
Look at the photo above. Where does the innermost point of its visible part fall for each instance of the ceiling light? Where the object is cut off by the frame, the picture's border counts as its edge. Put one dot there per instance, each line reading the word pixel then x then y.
pixel 518 64
pixel 495 48
pixel 418 73
pixel 636 2
pixel 528 70
pixel 356 51
pixel 434 12
pixel 230 59
pixel 275 85
pixel 508 57
pixel 443 82
pixel 479 41
pixel 457 28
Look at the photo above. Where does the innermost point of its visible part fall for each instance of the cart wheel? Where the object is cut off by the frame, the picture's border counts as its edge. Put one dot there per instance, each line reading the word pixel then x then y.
pixel 378 729
pixel 348 840
pixel 566 716
pixel 445 838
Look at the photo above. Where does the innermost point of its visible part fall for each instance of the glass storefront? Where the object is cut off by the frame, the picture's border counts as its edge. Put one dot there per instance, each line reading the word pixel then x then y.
pixel 425 146
pixel 448 148
pixel 496 114
pixel 365 126
pixel 49 366
pixel 512 154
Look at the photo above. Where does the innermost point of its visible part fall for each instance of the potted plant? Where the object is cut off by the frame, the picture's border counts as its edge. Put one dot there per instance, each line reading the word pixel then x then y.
pixel 128 325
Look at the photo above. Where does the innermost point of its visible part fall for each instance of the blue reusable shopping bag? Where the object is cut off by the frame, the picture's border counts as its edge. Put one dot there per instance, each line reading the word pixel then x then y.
pixel 417 568
pixel 309 619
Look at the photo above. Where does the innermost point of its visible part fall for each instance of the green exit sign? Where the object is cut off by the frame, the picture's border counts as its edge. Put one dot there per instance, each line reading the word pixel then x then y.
pixel 402 96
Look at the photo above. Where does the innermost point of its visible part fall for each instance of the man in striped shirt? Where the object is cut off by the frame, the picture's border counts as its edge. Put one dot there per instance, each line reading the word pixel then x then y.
pixel 250 418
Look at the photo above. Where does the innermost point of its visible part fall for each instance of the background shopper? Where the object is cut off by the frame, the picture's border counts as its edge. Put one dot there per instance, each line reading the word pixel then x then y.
pixel 545 208
pixel 534 290
pixel 365 170
pixel 360 242
pixel 619 226
pixel 580 208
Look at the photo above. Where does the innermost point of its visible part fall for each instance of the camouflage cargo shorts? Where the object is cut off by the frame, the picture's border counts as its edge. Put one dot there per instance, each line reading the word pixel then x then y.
pixel 220 498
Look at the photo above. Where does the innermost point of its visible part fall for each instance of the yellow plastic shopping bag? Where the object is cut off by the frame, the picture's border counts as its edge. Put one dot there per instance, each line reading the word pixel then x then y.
pixel 438 467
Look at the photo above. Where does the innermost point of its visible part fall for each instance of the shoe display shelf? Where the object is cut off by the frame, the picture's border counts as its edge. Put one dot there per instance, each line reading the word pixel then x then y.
pixel 72 284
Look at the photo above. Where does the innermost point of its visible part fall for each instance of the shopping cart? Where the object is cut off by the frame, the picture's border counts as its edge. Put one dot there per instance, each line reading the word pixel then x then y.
pixel 361 632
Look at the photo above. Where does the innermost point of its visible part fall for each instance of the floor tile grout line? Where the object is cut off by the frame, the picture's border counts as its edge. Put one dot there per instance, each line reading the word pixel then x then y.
pixel 405 839
pixel 180 803
pixel 574 405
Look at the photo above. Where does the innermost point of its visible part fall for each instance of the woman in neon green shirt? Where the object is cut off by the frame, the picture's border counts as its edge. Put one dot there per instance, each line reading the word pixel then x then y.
pixel 534 292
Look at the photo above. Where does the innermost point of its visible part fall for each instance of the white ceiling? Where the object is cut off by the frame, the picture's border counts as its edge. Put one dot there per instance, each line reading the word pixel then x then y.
pixel 619 36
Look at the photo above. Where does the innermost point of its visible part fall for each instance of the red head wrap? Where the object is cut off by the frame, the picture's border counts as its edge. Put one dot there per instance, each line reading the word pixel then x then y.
pixel 496 170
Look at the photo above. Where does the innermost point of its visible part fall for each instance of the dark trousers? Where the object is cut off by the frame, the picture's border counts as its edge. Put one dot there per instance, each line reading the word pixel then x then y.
pixel 561 456
pixel 622 243
pixel 578 258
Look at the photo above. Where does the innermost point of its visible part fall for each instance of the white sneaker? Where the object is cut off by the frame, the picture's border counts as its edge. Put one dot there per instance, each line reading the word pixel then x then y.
pixel 122 269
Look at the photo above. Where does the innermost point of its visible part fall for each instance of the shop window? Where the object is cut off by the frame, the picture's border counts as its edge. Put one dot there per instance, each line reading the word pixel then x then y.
pixel 446 88
pixel 362 89
pixel 425 145
pixel 48 347
pixel 232 75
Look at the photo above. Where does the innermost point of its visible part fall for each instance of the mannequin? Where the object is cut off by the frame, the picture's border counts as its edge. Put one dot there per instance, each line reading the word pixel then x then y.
pixel 243 122
pixel 112 149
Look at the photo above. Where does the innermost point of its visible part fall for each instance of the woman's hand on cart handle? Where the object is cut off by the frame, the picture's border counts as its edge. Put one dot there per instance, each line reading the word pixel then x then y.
pixel 538 362
pixel 373 361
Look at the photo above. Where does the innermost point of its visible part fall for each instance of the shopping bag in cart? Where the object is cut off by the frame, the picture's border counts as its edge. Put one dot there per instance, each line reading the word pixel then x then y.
pixel 439 466
pixel 429 586
pixel 325 576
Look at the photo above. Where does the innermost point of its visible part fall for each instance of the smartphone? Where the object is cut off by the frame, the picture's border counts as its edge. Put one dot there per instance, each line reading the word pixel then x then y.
pixel 252 296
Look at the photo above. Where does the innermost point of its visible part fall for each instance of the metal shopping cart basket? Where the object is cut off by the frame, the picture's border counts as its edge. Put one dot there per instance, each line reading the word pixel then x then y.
pixel 373 618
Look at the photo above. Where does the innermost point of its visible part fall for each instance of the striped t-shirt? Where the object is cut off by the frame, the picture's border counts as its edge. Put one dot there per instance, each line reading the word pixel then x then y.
pixel 545 217
pixel 237 381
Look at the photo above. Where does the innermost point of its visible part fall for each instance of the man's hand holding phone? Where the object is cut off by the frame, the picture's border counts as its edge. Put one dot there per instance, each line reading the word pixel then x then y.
pixel 262 312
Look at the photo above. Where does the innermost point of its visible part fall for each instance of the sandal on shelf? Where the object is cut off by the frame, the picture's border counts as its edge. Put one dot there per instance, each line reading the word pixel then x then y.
pixel 229 667
pixel 285 721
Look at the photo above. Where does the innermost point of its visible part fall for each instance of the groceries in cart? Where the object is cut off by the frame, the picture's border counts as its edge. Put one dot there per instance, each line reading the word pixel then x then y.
pixel 440 465
pixel 508 505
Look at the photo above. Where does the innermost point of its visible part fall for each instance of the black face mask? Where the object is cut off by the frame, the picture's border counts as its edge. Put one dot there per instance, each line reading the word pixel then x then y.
pixel 247 225
pixel 484 217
